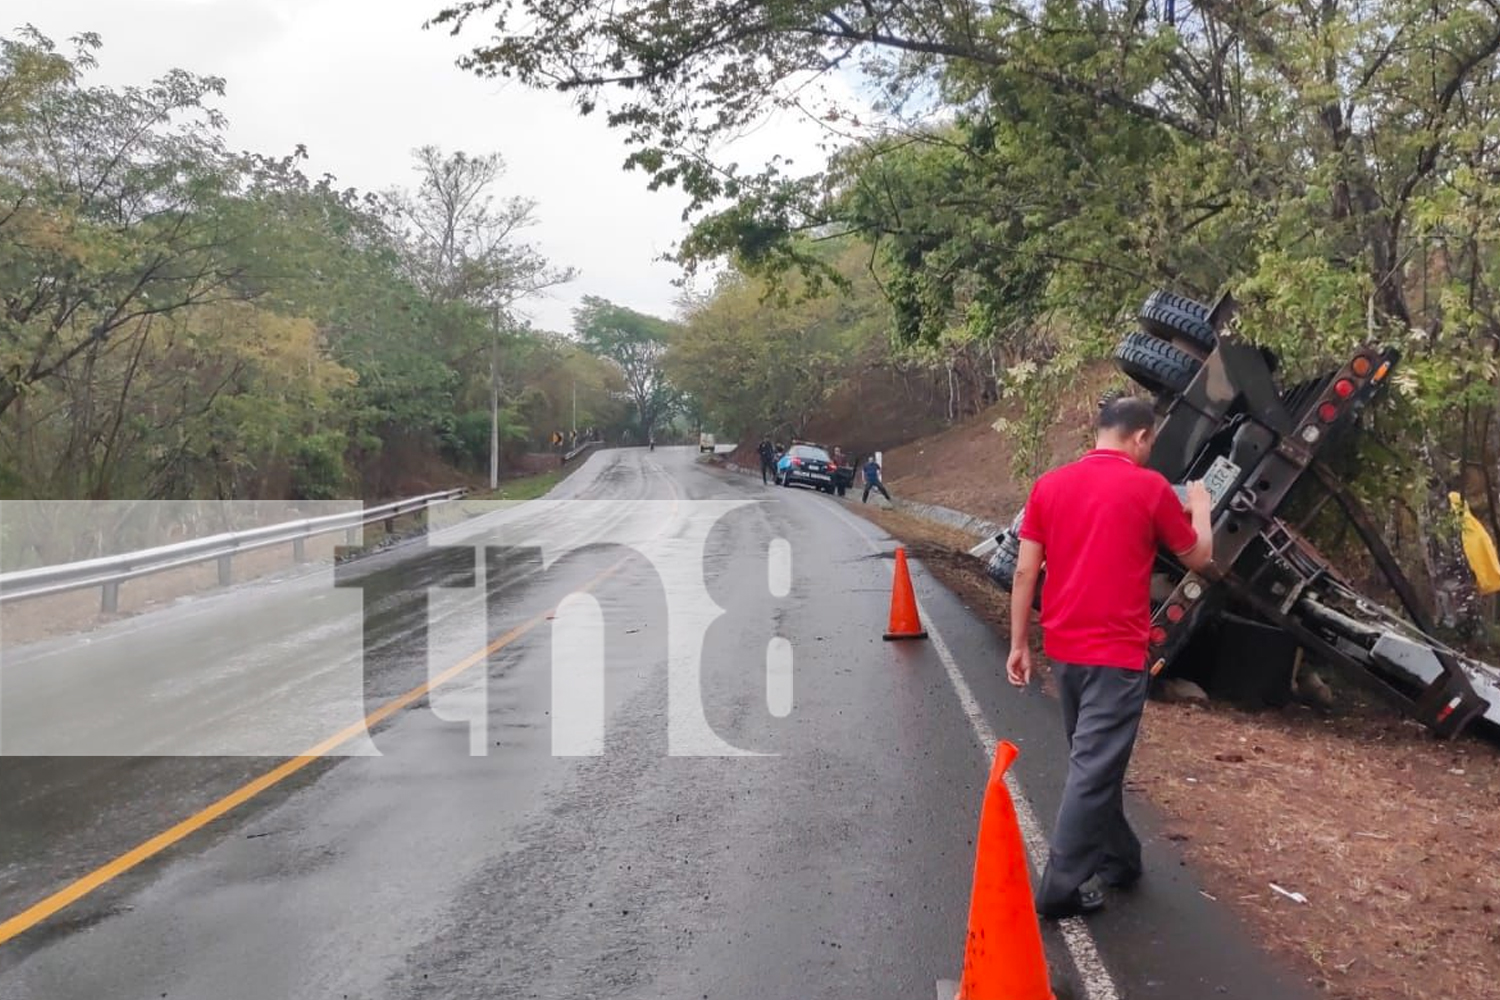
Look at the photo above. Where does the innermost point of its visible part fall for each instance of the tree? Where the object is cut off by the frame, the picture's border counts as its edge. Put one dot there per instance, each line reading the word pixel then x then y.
pixel 178 321
pixel 765 359
pixel 464 249
pixel 112 208
pixel 637 344
pixel 1027 172
pixel 462 244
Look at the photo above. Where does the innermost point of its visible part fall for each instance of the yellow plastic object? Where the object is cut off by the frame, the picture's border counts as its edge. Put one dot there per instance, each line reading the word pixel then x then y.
pixel 1479 548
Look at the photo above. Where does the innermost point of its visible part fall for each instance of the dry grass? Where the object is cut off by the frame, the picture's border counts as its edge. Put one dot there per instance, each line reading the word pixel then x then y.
pixel 1393 837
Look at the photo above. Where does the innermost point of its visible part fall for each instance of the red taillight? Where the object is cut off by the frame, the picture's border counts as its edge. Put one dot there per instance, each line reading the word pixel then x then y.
pixel 1343 388
pixel 1328 413
pixel 1175 613
pixel 832 467
pixel 1361 366
pixel 1158 636
pixel 797 461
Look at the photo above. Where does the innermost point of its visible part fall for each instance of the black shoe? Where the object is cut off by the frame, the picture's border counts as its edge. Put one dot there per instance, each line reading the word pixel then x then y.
pixel 1087 899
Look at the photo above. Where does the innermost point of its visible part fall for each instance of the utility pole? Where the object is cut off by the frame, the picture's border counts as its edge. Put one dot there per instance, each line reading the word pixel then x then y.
pixel 495 402
pixel 575 406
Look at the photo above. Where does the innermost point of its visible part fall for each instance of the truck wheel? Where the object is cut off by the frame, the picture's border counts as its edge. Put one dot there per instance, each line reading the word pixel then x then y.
pixel 1002 565
pixel 1180 319
pixel 1160 367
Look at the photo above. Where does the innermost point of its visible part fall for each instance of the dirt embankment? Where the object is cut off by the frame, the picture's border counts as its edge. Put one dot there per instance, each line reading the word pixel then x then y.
pixel 969 467
pixel 876 410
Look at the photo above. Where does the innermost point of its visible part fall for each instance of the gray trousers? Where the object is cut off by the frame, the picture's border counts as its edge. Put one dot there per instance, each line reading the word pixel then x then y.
pixel 1102 712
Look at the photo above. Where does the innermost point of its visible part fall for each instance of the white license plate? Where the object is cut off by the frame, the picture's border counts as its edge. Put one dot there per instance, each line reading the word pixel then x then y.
pixel 1218 480
pixel 817 475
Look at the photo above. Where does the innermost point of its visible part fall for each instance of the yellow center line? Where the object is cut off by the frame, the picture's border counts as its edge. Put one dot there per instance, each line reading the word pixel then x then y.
pixel 35 914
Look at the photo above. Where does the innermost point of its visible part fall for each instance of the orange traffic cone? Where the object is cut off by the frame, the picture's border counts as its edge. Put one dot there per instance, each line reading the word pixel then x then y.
pixel 905 622
pixel 1004 958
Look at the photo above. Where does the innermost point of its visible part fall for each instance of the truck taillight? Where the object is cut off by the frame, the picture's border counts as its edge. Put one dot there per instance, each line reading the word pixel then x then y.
pixel 1328 413
pixel 1158 636
pixel 1343 388
pixel 1175 613
pixel 1361 366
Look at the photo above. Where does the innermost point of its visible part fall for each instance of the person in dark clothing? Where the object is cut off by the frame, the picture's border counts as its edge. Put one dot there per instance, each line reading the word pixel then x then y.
pixel 767 453
pixel 1098 522
pixel 872 481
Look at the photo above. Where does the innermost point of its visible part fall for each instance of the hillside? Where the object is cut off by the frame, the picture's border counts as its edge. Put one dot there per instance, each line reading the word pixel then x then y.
pixel 877 409
pixel 970 467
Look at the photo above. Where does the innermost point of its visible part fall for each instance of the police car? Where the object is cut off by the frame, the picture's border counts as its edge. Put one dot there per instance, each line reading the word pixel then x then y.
pixel 808 465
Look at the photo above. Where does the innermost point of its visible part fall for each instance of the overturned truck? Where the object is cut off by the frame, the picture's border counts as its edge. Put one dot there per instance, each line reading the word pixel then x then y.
pixel 1244 626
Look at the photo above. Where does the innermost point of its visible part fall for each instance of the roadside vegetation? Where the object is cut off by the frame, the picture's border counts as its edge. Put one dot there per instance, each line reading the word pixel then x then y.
pixel 1005 183
pixel 179 321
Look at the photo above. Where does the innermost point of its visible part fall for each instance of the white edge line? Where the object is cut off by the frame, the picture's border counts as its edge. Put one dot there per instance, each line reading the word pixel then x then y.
pixel 1096 980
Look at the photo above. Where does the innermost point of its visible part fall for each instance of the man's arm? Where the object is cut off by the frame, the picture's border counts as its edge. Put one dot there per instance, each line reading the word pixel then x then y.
pixel 1022 595
pixel 1200 509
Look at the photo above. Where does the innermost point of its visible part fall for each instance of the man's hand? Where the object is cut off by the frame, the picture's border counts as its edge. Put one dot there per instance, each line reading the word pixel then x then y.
pixel 1200 507
pixel 1198 497
pixel 1018 665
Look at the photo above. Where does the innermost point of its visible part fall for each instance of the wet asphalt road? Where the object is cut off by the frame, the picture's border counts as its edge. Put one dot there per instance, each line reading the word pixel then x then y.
pixel 753 818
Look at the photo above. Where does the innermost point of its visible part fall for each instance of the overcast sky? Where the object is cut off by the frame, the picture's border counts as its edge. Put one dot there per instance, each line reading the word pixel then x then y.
pixel 361 84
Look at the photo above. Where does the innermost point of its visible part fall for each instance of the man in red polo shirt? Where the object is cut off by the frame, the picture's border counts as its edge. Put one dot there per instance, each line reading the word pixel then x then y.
pixel 1098 524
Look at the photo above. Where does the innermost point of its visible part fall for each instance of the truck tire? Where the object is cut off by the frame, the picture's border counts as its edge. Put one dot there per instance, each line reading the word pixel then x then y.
pixel 1160 367
pixel 1002 565
pixel 1176 318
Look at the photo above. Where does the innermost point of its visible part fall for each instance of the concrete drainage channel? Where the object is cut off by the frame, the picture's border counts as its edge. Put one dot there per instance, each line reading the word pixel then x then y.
pixel 948 517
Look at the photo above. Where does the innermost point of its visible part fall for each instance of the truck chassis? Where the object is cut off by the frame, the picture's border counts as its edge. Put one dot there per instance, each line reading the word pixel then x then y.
pixel 1270 597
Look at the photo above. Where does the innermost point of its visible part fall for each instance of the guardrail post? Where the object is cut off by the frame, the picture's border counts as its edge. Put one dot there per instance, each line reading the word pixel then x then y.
pixel 109 600
pixel 390 525
pixel 225 577
pixel 299 550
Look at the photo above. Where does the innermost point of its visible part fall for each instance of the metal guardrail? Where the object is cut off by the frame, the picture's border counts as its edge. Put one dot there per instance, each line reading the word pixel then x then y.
pixel 108 572
pixel 585 446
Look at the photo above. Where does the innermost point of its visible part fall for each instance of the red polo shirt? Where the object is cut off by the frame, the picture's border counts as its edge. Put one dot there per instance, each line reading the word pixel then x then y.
pixel 1100 521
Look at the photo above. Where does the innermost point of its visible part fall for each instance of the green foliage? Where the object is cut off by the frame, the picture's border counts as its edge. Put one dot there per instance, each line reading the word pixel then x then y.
pixel 318 471
pixel 178 321
pixel 760 358
pixel 636 344
pixel 467 439
pixel 1027 173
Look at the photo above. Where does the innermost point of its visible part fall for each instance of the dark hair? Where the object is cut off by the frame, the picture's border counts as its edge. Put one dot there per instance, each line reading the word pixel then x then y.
pixel 1127 414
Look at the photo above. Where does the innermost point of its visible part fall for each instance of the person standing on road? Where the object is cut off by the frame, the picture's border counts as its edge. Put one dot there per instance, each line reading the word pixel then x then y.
pixel 1098 523
pixel 767 453
pixel 872 481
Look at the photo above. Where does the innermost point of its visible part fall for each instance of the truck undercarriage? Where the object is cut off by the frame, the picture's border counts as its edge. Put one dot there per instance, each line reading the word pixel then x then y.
pixel 1270 598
